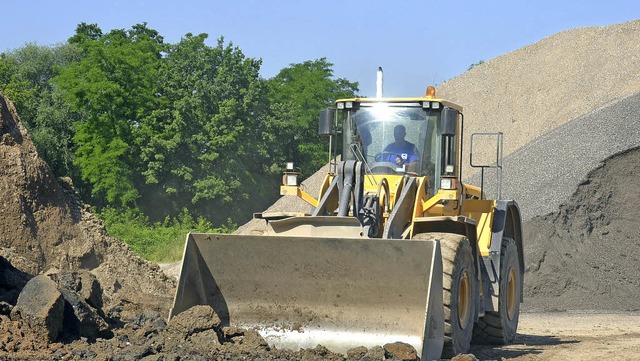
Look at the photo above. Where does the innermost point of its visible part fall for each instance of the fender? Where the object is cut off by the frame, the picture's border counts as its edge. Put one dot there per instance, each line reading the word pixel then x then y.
pixel 507 222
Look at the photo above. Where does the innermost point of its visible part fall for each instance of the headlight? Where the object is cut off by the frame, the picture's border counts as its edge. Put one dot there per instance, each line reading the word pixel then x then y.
pixel 448 183
pixel 291 179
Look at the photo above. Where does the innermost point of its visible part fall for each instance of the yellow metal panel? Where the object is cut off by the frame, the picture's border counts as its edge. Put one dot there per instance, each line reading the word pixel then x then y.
pixel 296 191
pixel 326 183
pixel 482 212
pixel 473 191
pixel 472 205
pixel 442 195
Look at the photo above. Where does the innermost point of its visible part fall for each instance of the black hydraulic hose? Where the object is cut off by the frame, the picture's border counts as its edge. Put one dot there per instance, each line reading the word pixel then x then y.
pixel 345 199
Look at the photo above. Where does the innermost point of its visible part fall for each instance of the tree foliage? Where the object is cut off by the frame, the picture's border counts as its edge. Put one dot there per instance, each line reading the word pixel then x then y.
pixel 297 94
pixel 204 150
pixel 153 128
pixel 115 85
pixel 25 76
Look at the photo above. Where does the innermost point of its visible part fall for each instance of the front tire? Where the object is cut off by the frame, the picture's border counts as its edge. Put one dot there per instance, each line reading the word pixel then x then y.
pixel 499 328
pixel 460 286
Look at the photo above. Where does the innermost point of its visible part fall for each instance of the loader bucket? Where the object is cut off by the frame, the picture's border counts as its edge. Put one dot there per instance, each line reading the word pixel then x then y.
pixel 300 292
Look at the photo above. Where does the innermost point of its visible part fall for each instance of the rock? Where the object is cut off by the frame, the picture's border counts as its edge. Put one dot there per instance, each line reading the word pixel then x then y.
pixel 203 342
pixel 319 353
pixel 80 319
pixel 151 318
pixel 357 353
pixel 194 320
pixel 464 357
pixel 400 351
pixel 196 328
pixel 5 308
pixel 12 280
pixel 82 282
pixel 252 341
pixel 41 306
pixel 82 294
pixel 374 354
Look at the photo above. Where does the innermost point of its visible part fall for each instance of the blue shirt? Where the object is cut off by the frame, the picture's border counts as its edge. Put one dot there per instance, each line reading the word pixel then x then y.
pixel 408 152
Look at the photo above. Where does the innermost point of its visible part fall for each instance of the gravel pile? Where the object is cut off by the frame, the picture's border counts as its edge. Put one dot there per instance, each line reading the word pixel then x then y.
pixel 544 173
pixel 535 89
pixel 567 105
pixel 585 256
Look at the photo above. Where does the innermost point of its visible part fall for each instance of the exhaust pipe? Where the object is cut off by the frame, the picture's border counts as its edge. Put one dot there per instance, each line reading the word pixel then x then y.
pixel 379 83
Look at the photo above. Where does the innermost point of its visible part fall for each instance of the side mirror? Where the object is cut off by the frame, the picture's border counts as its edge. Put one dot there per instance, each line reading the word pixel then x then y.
pixel 448 121
pixel 325 127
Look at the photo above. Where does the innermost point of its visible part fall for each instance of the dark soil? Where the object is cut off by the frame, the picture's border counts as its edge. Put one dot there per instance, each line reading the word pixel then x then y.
pixel 586 255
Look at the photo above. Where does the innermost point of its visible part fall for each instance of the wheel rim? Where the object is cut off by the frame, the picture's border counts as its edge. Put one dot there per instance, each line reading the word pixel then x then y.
pixel 511 294
pixel 464 299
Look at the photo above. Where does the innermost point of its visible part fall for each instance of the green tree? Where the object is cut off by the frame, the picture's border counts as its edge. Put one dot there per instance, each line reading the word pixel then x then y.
pixel 297 94
pixel 13 85
pixel 204 151
pixel 115 86
pixel 25 75
pixel 53 133
pixel 85 32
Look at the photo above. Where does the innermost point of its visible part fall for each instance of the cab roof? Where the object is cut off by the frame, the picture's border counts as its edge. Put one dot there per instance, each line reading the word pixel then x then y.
pixel 402 100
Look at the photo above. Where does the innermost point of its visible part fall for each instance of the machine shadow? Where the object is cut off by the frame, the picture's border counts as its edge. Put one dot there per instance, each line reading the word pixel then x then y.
pixel 523 345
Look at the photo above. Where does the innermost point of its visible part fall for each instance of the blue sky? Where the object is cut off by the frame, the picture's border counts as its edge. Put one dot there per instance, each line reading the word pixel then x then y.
pixel 416 42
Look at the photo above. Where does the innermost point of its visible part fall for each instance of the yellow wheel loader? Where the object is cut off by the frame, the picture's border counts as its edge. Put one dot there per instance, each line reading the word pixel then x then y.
pixel 396 247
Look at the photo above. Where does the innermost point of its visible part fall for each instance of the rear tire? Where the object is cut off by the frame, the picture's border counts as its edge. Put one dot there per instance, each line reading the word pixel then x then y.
pixel 499 328
pixel 459 289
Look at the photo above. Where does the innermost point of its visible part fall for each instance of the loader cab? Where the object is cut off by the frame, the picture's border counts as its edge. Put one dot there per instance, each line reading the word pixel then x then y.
pixel 431 126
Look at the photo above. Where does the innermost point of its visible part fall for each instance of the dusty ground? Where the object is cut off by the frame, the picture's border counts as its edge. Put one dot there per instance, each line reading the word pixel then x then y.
pixel 571 336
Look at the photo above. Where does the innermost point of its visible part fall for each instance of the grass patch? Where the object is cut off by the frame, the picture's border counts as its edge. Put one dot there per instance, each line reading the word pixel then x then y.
pixel 156 242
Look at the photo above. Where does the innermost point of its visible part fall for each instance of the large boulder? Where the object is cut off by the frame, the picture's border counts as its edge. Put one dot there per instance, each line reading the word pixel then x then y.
pixel 41 307
pixel 83 314
pixel 82 320
pixel 81 282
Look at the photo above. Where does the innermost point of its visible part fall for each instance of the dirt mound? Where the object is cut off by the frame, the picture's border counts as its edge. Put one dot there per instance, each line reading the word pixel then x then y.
pixel 586 255
pixel 43 225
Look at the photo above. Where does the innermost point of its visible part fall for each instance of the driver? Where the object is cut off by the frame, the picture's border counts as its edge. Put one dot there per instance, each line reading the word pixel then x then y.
pixel 401 151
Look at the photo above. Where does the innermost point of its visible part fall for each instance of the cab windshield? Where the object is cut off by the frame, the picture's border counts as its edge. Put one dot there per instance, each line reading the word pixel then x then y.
pixel 393 138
